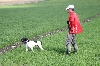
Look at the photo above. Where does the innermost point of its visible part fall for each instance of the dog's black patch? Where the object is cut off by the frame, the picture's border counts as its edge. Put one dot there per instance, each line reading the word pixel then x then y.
pixel 41 43
pixel 35 41
pixel 24 40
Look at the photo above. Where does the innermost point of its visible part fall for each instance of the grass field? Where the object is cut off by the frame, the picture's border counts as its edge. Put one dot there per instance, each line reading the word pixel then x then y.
pixel 30 20
pixel 54 53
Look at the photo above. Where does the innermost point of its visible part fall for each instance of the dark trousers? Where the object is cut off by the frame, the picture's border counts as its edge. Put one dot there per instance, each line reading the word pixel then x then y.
pixel 71 39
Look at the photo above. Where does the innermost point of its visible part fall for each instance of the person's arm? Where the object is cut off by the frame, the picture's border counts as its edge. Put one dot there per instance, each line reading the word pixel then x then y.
pixel 71 20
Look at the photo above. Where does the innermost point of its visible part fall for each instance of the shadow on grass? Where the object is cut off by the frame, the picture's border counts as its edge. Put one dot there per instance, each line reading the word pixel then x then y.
pixel 57 50
pixel 61 50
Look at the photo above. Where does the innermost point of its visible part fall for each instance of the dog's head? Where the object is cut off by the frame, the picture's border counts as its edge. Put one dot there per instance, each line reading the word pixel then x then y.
pixel 24 40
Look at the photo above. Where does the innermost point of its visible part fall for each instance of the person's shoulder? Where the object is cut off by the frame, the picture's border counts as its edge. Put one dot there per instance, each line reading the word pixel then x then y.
pixel 72 13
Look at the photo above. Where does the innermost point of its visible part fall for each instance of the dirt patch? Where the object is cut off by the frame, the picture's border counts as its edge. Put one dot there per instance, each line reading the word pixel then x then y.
pixel 12 2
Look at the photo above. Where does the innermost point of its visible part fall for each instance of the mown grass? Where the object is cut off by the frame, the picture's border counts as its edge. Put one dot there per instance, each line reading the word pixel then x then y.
pixel 55 50
pixel 30 20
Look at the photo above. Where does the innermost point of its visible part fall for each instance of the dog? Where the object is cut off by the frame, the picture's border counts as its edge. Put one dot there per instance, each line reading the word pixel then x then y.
pixel 31 44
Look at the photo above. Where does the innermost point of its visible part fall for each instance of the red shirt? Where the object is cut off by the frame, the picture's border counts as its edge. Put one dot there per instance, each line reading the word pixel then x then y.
pixel 75 25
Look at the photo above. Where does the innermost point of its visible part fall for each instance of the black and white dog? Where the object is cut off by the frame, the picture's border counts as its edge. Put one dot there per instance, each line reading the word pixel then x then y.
pixel 31 44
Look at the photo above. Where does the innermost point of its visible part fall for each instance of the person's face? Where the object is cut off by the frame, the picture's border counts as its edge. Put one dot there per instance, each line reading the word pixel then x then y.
pixel 69 10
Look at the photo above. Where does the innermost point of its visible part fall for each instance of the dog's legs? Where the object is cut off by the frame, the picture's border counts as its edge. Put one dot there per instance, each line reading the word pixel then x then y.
pixel 26 48
pixel 40 46
pixel 32 49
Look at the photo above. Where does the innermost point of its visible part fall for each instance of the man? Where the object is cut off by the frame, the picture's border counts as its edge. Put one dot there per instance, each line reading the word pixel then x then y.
pixel 74 28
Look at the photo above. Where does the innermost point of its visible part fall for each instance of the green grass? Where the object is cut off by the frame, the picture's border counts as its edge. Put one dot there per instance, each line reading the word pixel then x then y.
pixel 33 19
pixel 54 53
pixel 30 20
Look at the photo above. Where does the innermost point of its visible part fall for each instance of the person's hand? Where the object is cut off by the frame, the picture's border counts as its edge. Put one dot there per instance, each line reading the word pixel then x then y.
pixel 67 22
pixel 73 28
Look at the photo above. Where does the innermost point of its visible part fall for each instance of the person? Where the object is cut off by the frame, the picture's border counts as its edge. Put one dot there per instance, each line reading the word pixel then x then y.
pixel 75 27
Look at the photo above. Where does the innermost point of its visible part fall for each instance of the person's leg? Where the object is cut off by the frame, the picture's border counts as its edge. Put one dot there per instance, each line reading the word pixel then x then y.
pixel 68 43
pixel 74 44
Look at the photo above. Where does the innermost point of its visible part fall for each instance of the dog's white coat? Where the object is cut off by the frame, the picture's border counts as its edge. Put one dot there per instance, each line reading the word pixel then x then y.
pixel 31 44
